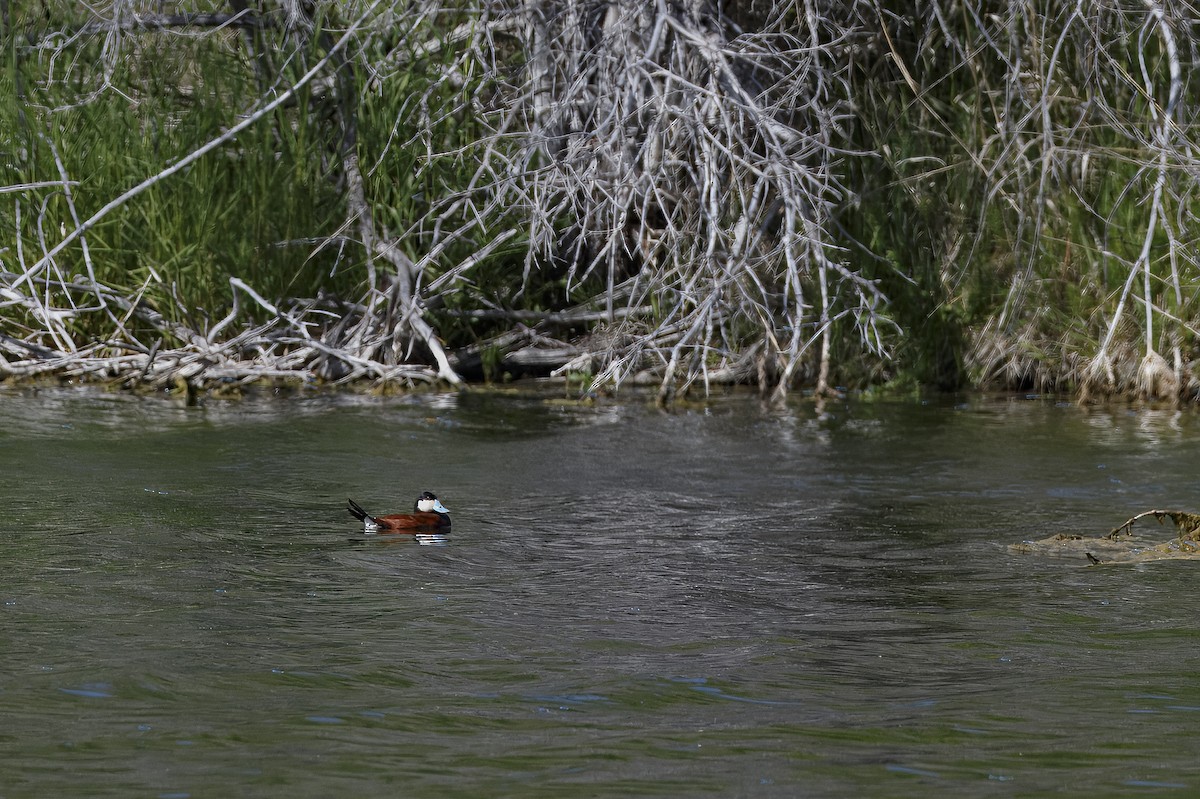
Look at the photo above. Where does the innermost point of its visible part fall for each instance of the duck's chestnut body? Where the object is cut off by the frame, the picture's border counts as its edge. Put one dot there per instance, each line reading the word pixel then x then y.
pixel 428 516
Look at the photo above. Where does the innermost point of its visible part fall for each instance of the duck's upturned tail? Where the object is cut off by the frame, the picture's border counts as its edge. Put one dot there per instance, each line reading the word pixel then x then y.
pixel 357 512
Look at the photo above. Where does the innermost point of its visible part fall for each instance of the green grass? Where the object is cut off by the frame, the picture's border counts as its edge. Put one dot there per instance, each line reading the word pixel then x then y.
pixel 989 247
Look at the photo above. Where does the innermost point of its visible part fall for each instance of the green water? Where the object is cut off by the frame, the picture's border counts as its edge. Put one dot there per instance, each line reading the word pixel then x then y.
pixel 725 601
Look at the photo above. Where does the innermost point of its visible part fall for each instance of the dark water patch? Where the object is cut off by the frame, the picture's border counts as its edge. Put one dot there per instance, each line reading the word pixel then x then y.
pixel 725 601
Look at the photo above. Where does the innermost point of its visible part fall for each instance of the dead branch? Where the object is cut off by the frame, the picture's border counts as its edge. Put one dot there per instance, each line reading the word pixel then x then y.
pixel 672 165
pixel 1187 525
pixel 202 151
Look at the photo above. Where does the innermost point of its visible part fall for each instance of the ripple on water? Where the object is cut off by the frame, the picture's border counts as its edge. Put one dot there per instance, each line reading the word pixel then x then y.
pixel 630 603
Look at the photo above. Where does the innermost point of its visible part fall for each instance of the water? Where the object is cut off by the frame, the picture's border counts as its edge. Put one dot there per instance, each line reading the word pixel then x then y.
pixel 721 601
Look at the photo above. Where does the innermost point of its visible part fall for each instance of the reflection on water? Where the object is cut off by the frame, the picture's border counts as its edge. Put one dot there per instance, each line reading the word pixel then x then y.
pixel 726 600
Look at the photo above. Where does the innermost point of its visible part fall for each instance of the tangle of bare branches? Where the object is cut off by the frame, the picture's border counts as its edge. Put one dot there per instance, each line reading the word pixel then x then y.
pixel 717 192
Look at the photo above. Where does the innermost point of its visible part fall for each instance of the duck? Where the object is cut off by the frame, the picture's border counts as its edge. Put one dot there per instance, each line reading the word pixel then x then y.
pixel 429 515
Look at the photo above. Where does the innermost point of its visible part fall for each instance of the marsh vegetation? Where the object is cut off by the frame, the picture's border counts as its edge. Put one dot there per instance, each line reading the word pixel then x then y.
pixel 685 192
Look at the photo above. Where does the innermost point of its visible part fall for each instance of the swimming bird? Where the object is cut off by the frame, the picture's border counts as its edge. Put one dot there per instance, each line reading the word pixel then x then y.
pixel 428 515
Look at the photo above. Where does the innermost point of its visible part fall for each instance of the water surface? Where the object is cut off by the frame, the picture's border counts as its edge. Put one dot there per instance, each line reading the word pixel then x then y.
pixel 721 601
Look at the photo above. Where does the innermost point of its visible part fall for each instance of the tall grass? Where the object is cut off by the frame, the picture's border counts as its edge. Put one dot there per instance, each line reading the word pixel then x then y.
pixel 946 193
pixel 248 211
pixel 1019 152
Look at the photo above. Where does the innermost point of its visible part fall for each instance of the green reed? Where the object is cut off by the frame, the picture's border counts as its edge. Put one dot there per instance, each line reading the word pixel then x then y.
pixel 1001 173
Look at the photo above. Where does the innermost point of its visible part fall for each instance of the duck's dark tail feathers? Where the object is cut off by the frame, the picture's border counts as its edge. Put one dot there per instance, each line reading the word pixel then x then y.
pixel 357 512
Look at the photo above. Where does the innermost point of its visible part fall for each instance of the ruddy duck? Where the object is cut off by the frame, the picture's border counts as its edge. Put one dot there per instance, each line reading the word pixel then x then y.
pixel 428 516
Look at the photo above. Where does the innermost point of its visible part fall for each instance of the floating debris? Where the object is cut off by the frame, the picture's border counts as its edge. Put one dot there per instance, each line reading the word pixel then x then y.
pixel 1123 544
